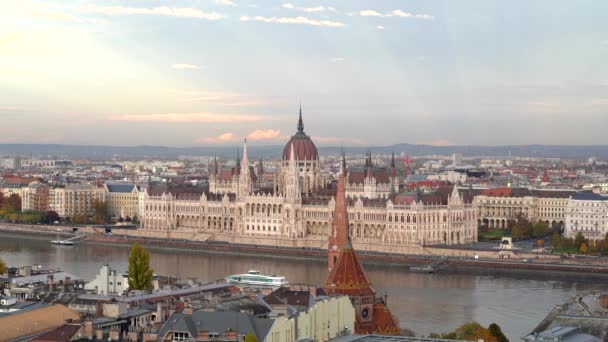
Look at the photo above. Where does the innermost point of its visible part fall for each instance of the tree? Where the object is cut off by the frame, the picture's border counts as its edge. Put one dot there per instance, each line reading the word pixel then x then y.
pixel 471 331
pixel 540 229
pixel 250 337
pixel 3 267
pixel 51 216
pixel 407 332
pixel 556 240
pixel 578 240
pixel 100 215
pixel 140 273
pixel 497 332
pixel 583 248
pixel 12 203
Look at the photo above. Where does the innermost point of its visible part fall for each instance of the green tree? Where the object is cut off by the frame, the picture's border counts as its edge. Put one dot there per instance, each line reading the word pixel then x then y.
pixel 578 240
pixel 3 267
pixel 250 337
pixel 556 240
pixel 497 332
pixel 540 229
pixel 100 215
pixel 140 273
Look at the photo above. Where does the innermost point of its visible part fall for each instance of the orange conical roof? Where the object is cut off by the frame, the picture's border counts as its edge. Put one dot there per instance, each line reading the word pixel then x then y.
pixel 348 276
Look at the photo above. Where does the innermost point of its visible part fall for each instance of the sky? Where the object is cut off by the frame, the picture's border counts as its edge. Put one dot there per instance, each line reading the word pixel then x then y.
pixel 367 73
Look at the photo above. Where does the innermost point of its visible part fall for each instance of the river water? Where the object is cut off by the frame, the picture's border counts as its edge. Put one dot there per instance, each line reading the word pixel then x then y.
pixel 424 303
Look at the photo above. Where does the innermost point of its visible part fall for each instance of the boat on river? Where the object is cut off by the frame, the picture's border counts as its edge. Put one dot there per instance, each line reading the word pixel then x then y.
pixel 255 278
pixel 62 242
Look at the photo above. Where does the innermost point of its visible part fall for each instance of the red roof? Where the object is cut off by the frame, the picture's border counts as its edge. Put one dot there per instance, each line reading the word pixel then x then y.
pixel 348 276
pixel 498 192
pixel 384 322
pixel 304 148
pixel 61 334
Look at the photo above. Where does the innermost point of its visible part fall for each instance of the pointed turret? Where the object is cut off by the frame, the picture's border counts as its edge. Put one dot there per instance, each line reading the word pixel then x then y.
pixel 369 171
pixel 343 163
pixel 300 122
pixel 339 227
pixel 393 160
pixel 245 185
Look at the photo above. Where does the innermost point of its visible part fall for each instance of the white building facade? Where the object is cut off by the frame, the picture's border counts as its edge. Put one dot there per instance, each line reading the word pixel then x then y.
pixel 587 213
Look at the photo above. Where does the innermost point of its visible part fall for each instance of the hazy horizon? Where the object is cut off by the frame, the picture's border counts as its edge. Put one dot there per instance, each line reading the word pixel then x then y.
pixel 191 73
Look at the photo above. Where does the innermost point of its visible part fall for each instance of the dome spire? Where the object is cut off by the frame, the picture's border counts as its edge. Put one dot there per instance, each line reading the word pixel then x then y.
pixel 300 122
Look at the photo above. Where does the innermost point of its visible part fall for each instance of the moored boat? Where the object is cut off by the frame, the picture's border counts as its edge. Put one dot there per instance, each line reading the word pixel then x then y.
pixel 255 278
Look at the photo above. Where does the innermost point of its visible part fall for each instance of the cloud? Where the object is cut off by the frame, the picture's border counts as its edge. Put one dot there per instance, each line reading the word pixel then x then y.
pixel 181 66
pixel 294 20
pixel 370 13
pixel 395 13
pixel 337 60
pixel 226 3
pixel 222 138
pixel 264 134
pixel 380 27
pixel 180 12
pixel 309 9
pixel 189 117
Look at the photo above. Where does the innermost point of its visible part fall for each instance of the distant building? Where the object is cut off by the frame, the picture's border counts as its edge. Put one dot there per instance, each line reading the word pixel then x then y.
pixel 587 213
pixel 75 199
pixel 497 206
pixel 36 196
pixel 326 319
pixel 123 200
pixel 108 282
pixel 298 210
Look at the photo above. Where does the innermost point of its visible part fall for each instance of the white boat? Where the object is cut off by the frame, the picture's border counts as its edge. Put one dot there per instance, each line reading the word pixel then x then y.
pixel 254 278
pixel 62 242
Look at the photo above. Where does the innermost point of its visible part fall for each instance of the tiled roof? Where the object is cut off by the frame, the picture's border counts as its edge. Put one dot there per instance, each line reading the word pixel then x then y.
pixel 348 276
pixel 219 321
pixel 286 296
pixel 120 187
pixel 61 334
pixel 34 321
pixel 589 196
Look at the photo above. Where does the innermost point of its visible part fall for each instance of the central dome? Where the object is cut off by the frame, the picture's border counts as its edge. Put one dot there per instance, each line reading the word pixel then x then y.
pixel 304 148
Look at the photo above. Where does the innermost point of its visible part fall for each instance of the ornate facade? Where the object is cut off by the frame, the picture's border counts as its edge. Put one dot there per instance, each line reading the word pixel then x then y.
pixel 498 206
pixel 296 211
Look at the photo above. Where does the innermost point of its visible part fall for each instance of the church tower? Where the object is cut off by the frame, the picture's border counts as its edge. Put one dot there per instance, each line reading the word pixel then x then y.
pixel 339 226
pixel 347 276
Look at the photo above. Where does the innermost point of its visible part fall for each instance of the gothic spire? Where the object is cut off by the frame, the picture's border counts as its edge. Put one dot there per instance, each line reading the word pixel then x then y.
pixel 343 163
pixel 300 122
pixel 245 158
pixel 393 160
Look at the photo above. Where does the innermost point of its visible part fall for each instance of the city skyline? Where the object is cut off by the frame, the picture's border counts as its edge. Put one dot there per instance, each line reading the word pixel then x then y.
pixel 210 73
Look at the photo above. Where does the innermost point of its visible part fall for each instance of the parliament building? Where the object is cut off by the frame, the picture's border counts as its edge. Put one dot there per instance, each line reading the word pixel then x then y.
pixel 298 209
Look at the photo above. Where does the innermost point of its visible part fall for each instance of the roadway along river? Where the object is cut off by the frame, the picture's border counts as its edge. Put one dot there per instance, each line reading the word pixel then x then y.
pixel 424 303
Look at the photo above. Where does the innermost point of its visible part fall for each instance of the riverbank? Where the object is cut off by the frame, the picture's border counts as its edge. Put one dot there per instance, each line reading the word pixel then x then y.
pixel 451 263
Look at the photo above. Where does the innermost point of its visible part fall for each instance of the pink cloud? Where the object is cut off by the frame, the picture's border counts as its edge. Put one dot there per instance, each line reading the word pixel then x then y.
pixel 264 134
pixel 224 137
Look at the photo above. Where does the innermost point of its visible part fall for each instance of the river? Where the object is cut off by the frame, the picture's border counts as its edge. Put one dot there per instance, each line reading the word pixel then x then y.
pixel 424 303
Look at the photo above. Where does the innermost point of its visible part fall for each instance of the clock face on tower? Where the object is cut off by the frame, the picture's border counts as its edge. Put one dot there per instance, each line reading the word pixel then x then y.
pixel 364 313
pixel 334 247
